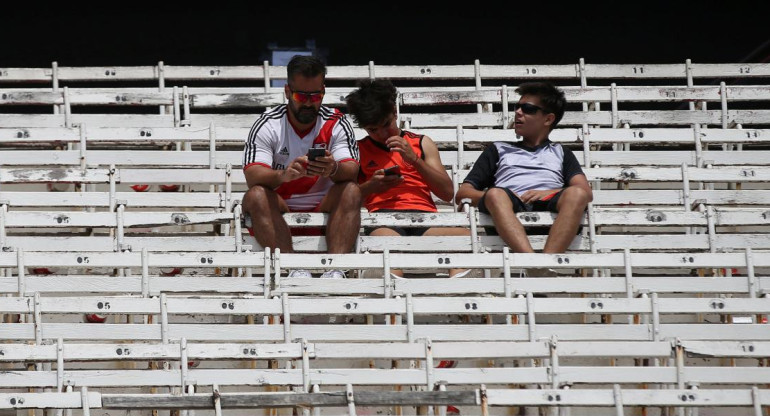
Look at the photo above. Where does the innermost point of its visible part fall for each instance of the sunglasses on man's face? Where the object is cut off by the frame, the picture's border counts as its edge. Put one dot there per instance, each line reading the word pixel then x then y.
pixel 527 108
pixel 303 97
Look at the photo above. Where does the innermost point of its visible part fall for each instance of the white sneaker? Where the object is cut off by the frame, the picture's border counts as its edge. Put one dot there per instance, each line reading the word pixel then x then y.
pixel 333 274
pixel 300 273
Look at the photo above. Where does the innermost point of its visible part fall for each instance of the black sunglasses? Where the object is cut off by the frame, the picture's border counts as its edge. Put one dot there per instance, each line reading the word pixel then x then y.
pixel 527 108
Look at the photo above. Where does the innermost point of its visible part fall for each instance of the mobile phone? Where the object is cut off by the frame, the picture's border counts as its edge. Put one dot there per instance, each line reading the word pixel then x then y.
pixel 314 153
pixel 393 170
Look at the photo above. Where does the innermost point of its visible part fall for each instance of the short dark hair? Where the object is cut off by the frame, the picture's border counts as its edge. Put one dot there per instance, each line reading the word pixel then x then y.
pixel 551 98
pixel 372 102
pixel 307 66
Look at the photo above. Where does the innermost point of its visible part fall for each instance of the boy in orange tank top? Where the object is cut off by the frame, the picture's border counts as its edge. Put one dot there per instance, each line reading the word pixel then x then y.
pixel 398 169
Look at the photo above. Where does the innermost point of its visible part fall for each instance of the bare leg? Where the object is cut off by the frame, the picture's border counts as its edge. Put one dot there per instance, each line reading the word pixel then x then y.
pixel 571 206
pixel 265 207
pixel 508 226
pixel 449 231
pixel 387 232
pixel 343 203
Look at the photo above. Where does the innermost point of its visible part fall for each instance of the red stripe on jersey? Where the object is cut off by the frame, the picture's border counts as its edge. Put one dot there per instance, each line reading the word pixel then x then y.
pixel 325 135
pixel 256 163
pixel 297 186
pixel 348 160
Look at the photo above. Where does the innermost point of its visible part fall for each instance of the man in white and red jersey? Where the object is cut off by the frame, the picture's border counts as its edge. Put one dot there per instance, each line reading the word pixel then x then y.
pixel 280 176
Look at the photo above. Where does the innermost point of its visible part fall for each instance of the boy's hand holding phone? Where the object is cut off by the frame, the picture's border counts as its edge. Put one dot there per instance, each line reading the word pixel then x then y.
pixel 393 170
pixel 384 179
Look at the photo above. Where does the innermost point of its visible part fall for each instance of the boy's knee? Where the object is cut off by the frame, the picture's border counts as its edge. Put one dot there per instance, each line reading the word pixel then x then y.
pixel 576 196
pixel 495 197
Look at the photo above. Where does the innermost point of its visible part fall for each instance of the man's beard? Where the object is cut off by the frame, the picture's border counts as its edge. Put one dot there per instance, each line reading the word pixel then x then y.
pixel 304 115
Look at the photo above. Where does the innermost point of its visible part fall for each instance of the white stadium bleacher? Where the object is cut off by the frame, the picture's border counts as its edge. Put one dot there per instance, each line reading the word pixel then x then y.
pixel 659 307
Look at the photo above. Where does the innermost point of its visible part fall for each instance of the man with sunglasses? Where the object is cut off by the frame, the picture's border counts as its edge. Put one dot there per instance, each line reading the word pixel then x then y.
pixel 285 175
pixel 534 174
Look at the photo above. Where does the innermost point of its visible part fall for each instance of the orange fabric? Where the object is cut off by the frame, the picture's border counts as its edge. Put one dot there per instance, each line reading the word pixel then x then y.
pixel 412 193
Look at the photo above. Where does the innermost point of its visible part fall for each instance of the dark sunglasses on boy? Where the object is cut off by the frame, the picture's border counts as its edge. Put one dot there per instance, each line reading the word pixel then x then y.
pixel 527 108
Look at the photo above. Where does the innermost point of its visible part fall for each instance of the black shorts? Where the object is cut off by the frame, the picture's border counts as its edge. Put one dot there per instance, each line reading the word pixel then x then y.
pixel 402 231
pixel 519 206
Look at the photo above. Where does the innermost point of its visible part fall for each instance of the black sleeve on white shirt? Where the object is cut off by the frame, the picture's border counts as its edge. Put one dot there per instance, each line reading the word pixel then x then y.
pixel 570 166
pixel 482 175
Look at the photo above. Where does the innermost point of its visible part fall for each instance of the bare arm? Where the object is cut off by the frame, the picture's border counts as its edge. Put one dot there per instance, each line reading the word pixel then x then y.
pixel 581 182
pixel 342 153
pixel 481 176
pixel 433 171
pixel 468 191
pixel 272 178
pixel 347 171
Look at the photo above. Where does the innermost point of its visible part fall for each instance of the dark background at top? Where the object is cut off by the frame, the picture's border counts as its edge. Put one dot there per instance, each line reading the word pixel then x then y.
pixel 520 32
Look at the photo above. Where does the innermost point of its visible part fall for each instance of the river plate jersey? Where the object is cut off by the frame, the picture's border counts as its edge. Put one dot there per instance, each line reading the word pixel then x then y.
pixel 274 143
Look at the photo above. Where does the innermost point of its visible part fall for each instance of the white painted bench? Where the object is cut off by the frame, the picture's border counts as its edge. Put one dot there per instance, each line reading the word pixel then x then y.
pixel 456 137
pixel 579 71
pixel 465 159
pixel 311 353
pixel 615 398
pixel 181 101
pixel 645 238
pixel 417 121
pixel 21 228
pixel 228 176
pixel 635 272
pixel 212 97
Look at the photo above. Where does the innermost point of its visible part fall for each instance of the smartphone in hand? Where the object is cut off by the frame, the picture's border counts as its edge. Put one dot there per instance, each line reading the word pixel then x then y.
pixel 314 153
pixel 393 170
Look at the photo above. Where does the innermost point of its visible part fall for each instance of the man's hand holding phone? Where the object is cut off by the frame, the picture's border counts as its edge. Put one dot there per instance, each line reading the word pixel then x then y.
pixel 314 153
pixel 320 163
